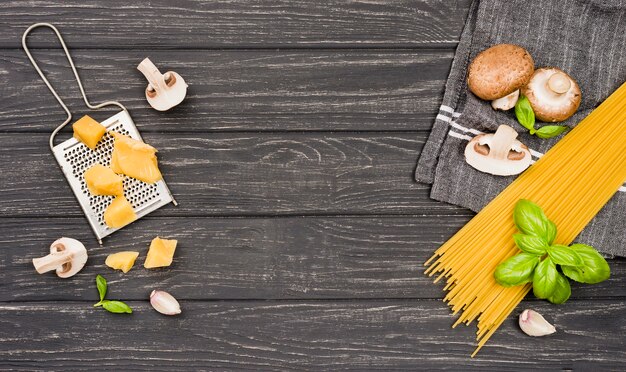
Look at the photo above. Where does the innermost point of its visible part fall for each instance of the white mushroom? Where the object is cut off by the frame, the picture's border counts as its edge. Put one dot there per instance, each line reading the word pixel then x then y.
pixel 498 153
pixel 164 91
pixel 67 256
pixel 553 94
pixel 506 102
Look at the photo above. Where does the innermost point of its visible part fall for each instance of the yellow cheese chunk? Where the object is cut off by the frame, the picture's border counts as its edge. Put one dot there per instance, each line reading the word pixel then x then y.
pixel 88 131
pixel 122 260
pixel 161 253
pixel 134 159
pixel 103 181
pixel 119 213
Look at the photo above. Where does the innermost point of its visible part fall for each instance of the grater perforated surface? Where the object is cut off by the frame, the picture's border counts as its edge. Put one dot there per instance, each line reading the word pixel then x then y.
pixel 75 158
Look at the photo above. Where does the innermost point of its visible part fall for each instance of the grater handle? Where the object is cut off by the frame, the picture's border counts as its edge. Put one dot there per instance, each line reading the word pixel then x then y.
pixel 45 80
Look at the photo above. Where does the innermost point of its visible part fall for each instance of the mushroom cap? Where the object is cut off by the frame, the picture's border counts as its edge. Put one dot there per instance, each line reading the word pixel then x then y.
pixel 499 71
pixel 76 252
pixel 498 153
pixel 549 105
pixel 173 92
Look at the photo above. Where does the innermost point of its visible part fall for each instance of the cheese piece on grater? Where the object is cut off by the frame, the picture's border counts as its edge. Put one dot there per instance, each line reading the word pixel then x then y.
pixel 88 131
pixel 134 159
pixel 119 213
pixel 102 180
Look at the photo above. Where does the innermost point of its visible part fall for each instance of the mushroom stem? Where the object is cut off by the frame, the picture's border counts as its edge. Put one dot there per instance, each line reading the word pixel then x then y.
pixel 152 73
pixel 502 142
pixel 51 262
pixel 559 83
pixel 507 102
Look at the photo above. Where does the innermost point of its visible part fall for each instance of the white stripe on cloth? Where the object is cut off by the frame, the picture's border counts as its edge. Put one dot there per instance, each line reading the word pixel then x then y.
pixel 446 108
pixel 468 138
pixel 443 118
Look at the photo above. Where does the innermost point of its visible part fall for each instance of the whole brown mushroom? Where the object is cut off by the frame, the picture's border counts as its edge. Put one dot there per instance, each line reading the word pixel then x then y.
pixel 553 94
pixel 498 72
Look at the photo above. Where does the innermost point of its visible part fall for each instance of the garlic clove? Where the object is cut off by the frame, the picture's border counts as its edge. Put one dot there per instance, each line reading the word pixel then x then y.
pixel 533 324
pixel 164 303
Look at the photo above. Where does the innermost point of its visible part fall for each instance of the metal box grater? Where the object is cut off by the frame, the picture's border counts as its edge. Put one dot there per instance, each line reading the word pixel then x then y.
pixel 75 158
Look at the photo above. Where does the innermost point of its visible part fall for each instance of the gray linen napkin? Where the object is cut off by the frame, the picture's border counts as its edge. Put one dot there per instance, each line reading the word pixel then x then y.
pixel 586 38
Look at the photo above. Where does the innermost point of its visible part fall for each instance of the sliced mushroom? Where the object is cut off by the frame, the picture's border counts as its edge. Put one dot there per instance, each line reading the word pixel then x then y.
pixel 506 102
pixel 553 94
pixel 499 71
pixel 164 91
pixel 498 153
pixel 67 256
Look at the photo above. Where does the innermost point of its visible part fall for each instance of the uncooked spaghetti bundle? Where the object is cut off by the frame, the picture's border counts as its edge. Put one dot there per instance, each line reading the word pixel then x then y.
pixel 571 182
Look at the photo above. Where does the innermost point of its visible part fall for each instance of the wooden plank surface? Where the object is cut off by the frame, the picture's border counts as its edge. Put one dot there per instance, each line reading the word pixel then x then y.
pixel 302 90
pixel 281 335
pixel 225 174
pixel 185 24
pixel 252 258
pixel 302 232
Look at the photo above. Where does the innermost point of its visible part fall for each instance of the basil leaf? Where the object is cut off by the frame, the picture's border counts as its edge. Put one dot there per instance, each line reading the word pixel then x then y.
pixel 101 283
pixel 562 290
pixel 563 255
pixel 595 269
pixel 544 279
pixel 550 232
pixel 550 131
pixel 531 244
pixel 516 270
pixel 525 114
pixel 117 307
pixel 530 220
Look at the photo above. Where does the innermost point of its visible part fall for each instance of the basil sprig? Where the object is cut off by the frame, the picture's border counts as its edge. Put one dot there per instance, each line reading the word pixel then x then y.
pixel 117 307
pixel 537 263
pixel 526 117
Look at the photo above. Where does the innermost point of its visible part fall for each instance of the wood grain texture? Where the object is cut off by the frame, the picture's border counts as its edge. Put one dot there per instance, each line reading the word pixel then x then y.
pixel 303 90
pixel 252 258
pixel 270 335
pixel 301 229
pixel 225 174
pixel 166 24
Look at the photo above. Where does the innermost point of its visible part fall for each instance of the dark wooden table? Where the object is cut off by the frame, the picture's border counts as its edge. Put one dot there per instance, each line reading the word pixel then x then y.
pixel 301 230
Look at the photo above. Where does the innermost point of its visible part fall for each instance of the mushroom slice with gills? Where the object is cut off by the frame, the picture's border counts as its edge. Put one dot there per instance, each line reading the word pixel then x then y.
pixel 67 256
pixel 553 94
pixel 499 71
pixel 164 91
pixel 498 153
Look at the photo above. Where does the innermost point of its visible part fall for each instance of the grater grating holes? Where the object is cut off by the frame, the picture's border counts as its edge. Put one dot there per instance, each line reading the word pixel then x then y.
pixel 81 158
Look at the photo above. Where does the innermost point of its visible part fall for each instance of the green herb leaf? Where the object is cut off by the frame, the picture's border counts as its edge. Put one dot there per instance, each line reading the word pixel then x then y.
pixel 525 114
pixel 562 290
pixel 550 131
pixel 530 220
pixel 101 283
pixel 595 269
pixel 550 232
pixel 531 244
pixel 563 255
pixel 516 270
pixel 117 307
pixel 544 279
